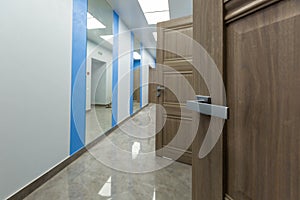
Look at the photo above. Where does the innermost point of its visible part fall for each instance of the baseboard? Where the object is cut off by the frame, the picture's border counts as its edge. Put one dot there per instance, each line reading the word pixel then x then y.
pixel 24 192
pixel 100 104
pixel 31 187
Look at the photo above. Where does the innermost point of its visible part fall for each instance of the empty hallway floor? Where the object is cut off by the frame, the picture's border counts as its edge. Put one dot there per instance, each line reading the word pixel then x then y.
pixel 108 170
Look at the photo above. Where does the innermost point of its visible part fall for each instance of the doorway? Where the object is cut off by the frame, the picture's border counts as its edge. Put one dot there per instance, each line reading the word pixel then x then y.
pixel 98 119
pixel 99 71
pixel 136 76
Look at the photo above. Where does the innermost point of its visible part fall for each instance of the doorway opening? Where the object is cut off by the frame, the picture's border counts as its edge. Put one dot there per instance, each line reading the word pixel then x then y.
pixel 99 71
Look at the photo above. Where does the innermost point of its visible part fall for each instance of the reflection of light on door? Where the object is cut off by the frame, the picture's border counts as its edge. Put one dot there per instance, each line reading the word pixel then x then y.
pixel 135 150
pixel 154 195
pixel 106 189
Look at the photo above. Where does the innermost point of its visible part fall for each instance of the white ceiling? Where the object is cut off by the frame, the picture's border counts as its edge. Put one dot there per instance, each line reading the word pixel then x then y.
pixel 102 11
pixel 131 14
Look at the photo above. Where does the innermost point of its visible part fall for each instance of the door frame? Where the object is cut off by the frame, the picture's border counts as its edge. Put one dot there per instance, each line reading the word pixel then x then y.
pixel 208 31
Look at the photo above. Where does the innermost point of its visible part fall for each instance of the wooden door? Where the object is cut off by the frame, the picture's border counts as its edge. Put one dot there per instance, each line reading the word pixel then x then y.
pixel 152 85
pixel 263 89
pixel 208 32
pixel 136 84
pixel 172 109
pixel 258 156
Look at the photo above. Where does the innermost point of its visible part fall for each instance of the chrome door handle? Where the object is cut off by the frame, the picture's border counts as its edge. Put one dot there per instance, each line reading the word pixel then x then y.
pixel 158 90
pixel 203 105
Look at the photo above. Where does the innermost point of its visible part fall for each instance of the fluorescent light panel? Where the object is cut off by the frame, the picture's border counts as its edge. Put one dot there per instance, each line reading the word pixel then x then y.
pixel 155 10
pixel 156 17
pixel 154 5
pixel 93 23
pixel 108 38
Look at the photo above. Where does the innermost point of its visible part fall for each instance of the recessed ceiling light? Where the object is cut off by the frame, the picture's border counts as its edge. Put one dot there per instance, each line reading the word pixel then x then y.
pixel 154 5
pixel 93 23
pixel 108 38
pixel 136 56
pixel 156 17
pixel 155 35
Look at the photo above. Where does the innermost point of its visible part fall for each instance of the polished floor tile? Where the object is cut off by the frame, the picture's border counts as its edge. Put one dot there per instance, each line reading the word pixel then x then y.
pixel 108 171
pixel 136 106
pixel 98 121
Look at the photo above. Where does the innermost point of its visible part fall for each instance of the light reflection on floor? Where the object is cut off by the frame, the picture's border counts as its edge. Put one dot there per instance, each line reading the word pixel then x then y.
pixel 89 179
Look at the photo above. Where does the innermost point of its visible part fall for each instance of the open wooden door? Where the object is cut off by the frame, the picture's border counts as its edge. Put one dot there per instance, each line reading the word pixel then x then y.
pixel 176 55
pixel 258 156
pixel 263 89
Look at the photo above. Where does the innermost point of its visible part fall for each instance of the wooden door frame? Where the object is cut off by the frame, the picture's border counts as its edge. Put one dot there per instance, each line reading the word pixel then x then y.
pixel 208 21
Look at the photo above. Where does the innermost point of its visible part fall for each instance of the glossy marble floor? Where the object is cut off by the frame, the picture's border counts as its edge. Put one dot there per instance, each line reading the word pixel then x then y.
pixel 121 167
pixel 98 121
pixel 136 106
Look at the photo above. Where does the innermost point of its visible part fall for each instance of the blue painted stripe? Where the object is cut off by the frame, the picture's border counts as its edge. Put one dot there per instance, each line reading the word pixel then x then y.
pixel 78 91
pixel 141 75
pixel 136 64
pixel 131 74
pixel 115 65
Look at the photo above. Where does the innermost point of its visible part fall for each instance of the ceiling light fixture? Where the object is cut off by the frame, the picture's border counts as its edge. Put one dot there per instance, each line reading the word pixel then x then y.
pixel 93 23
pixel 156 17
pixel 155 11
pixel 108 38
pixel 154 5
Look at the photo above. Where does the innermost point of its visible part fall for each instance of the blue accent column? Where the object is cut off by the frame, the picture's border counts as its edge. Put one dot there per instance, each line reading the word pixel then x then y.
pixel 131 73
pixel 115 65
pixel 78 91
pixel 141 76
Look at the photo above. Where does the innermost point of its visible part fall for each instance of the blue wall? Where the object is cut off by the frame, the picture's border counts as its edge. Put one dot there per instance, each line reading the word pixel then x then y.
pixel 131 74
pixel 78 93
pixel 115 69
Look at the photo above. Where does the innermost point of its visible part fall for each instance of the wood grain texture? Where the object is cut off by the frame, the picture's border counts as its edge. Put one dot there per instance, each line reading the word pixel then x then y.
pixel 263 73
pixel 236 9
pixel 152 85
pixel 208 32
pixel 136 84
pixel 174 51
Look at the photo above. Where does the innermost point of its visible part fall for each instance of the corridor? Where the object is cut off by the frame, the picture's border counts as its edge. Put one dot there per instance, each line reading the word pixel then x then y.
pixel 88 178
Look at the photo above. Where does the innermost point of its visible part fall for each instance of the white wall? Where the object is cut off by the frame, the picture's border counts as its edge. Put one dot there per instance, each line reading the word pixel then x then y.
pixel 97 52
pixel 35 83
pixel 124 72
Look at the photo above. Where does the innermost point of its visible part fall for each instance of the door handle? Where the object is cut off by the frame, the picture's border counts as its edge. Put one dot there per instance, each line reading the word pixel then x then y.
pixel 203 106
pixel 158 90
